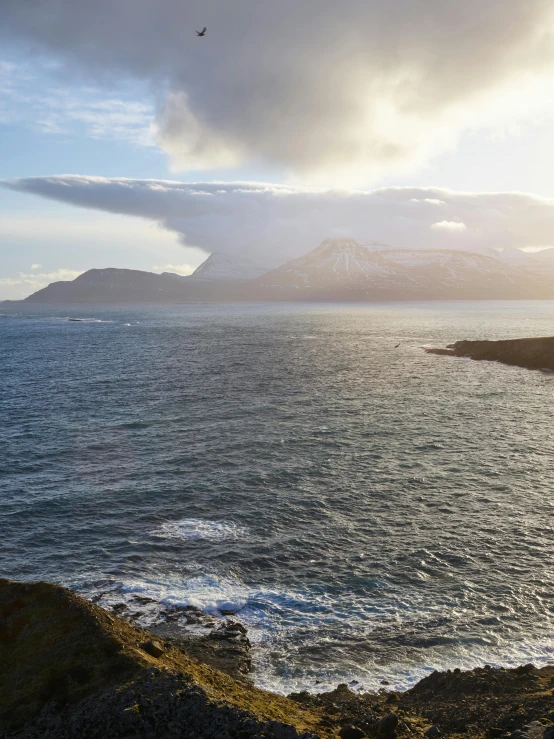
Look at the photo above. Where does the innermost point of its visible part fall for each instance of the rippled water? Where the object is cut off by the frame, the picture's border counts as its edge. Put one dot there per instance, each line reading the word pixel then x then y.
pixel 368 510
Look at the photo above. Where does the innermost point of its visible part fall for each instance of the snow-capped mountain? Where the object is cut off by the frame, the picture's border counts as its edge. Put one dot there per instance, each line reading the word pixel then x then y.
pixel 344 269
pixel 223 267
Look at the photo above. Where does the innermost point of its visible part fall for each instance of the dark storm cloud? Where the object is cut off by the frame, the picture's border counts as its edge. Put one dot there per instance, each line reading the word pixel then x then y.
pixel 315 86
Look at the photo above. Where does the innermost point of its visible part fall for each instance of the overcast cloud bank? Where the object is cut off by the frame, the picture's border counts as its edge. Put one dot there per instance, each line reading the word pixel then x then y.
pixel 255 220
pixel 320 89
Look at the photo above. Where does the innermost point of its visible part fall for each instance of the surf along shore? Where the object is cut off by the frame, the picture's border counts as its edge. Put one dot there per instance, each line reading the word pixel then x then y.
pixel 70 668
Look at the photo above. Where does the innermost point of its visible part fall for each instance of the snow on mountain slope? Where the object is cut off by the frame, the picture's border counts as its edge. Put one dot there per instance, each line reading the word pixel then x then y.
pixel 343 268
pixel 334 261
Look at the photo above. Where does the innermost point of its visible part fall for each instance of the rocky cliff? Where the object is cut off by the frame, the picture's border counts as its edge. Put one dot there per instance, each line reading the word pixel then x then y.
pixel 70 670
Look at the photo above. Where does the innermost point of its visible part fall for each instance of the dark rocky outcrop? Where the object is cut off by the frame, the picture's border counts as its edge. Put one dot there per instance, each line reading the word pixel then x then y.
pixel 532 353
pixel 479 704
pixel 70 670
pixel 158 703
pixel 219 641
pixel 485 701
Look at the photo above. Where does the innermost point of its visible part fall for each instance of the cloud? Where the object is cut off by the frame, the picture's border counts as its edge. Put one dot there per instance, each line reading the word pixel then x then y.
pixel 319 89
pixel 83 239
pixel 279 222
pixel 36 281
pixel 178 269
pixel 82 229
pixel 452 226
pixel 32 97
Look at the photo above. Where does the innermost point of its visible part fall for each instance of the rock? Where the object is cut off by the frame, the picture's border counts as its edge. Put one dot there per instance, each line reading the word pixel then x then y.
pixel 228 631
pixel 534 730
pixel 525 669
pixel 385 682
pixel 532 353
pixel 494 732
pixel 130 716
pixel 281 731
pixel 387 726
pixel 351 732
pixel 548 733
pixel 153 648
pixel 432 732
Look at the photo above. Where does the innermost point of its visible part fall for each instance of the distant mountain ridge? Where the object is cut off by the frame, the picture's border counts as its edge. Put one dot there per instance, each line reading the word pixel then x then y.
pixel 337 270
pixel 343 270
pixel 113 285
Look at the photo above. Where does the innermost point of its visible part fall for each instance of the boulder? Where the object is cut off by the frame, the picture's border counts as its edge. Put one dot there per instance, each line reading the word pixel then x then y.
pixel 153 648
pixel 387 726
pixel 351 732
pixel 433 732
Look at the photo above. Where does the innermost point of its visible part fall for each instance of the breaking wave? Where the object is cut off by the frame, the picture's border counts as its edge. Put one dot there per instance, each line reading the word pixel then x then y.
pixel 198 528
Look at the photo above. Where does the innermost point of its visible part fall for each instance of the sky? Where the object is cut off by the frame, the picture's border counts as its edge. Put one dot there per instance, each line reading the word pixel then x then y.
pixel 128 141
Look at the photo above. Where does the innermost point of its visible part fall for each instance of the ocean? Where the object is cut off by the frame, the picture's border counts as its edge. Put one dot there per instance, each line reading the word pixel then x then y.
pixel 370 512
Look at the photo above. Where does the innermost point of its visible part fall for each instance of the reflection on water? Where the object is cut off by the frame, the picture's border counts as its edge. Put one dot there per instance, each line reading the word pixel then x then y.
pixel 369 510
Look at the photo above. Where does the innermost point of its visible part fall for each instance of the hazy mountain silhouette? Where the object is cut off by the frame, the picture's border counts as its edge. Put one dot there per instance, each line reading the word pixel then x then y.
pixel 337 270
pixel 345 270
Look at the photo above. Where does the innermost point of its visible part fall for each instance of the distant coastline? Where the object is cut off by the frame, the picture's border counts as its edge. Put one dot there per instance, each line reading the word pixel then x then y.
pixel 338 270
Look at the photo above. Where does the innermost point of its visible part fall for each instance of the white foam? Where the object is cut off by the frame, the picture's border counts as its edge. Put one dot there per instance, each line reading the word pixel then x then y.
pixel 209 593
pixel 281 622
pixel 86 320
pixel 200 528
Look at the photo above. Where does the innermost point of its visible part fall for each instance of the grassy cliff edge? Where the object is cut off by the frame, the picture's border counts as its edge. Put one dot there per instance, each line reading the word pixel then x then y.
pixel 71 669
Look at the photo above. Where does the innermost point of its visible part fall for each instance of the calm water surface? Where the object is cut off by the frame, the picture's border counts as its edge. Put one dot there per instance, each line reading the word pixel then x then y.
pixel 368 510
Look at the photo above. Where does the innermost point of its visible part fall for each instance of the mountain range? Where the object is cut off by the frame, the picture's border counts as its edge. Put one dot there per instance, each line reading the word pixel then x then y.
pixel 337 270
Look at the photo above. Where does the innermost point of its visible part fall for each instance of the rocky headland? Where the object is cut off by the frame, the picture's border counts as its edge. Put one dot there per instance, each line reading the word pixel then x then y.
pixel 532 353
pixel 73 669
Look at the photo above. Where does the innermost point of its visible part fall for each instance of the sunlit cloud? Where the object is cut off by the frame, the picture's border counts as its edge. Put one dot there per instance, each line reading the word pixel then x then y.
pixel 452 226
pixel 35 281
pixel 323 92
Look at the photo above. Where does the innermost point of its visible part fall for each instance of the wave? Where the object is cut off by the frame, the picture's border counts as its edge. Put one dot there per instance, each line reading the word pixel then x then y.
pixel 285 624
pixel 200 528
pixel 91 320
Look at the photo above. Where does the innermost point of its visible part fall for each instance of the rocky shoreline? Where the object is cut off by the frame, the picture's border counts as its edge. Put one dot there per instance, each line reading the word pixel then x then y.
pixel 73 669
pixel 219 641
pixel 531 353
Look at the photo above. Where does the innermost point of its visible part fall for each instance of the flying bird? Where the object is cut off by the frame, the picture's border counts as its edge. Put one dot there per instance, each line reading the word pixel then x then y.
pixel 202 32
